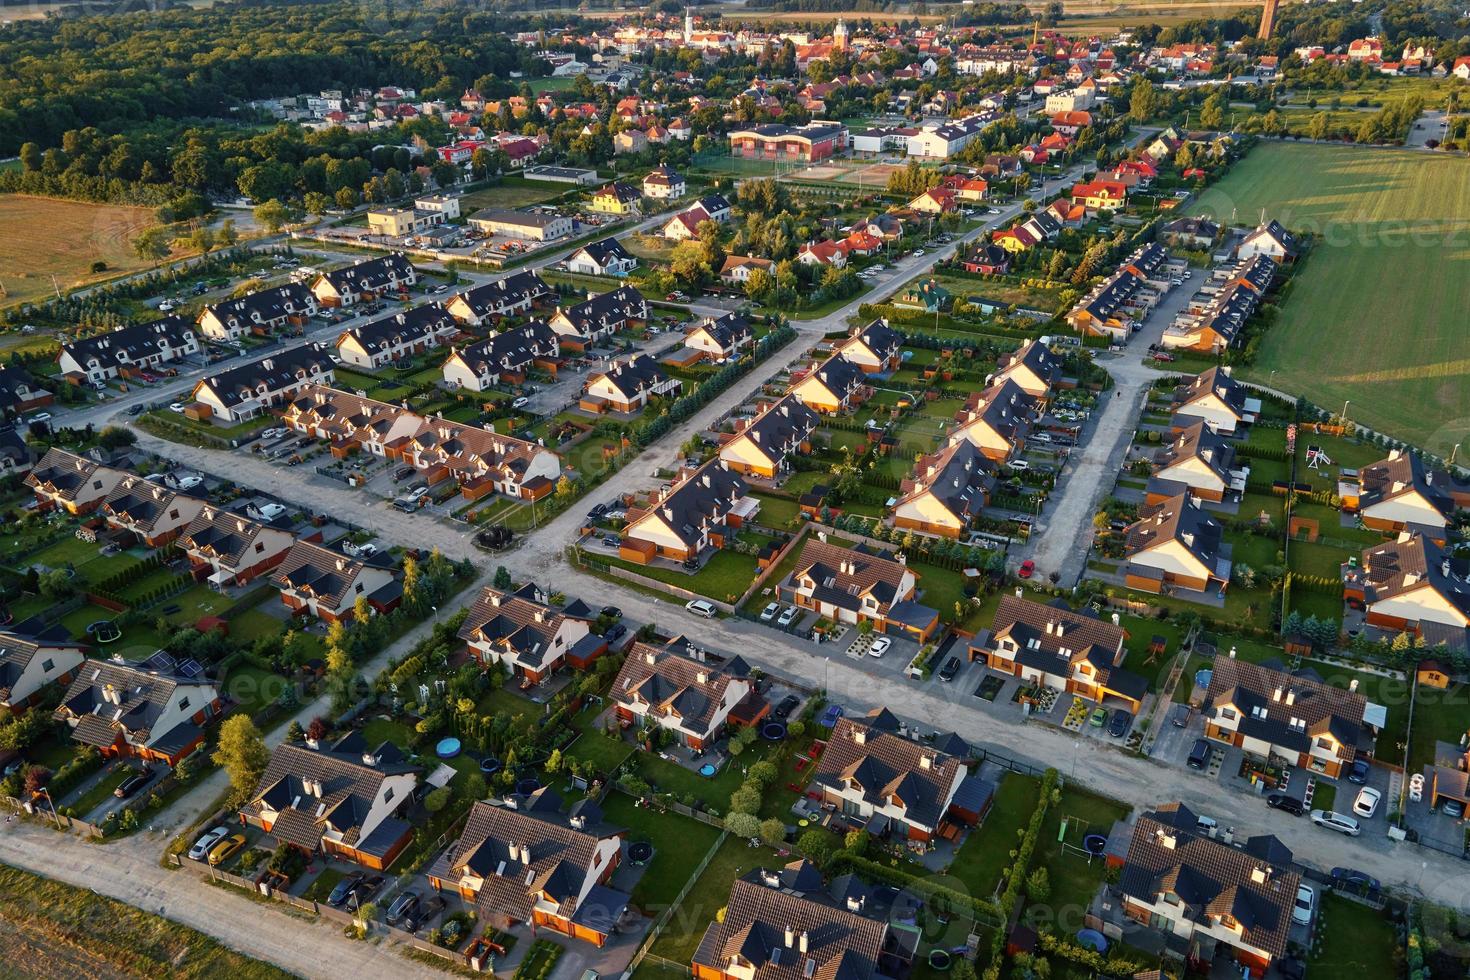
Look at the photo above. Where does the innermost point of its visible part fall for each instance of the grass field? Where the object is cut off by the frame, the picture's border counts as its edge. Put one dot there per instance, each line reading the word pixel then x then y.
pixel 1390 274
pixel 511 192
pixel 42 236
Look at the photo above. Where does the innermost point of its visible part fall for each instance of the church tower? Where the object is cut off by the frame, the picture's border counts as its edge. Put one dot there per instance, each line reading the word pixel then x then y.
pixel 839 36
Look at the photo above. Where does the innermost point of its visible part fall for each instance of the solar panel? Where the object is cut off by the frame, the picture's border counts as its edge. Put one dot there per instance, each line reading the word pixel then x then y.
pixel 190 668
pixel 161 661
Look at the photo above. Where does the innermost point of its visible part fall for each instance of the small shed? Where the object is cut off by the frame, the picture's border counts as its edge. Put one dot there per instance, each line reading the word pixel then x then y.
pixel 1432 673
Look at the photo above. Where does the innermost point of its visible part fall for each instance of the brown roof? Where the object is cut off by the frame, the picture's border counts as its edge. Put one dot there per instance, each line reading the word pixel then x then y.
pixel 670 681
pixel 1177 519
pixel 844 575
pixel 515 622
pixel 1405 565
pixel 1403 473
pixel 1005 407
pixel 1289 709
pixel 321 572
pixel 886 765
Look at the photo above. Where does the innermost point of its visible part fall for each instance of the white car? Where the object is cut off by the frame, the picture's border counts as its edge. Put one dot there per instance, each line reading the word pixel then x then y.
pixel 1019 465
pixel 520 402
pixel 364 550
pixel 269 512
pixel 188 482
pixel 700 607
pixel 274 433
pixel 1301 912
pixel 1340 822
pixel 177 407
pixel 205 844
pixel 39 417
pixel 769 613
pixel 417 493
pixel 880 646
pixel 1367 802
pixel 788 617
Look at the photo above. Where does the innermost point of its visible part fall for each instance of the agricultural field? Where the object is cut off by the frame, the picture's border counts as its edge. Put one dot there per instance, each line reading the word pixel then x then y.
pixel 1385 219
pixel 41 236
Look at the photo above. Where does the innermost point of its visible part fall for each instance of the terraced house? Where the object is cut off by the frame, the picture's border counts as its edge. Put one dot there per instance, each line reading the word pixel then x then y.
pixel 388 275
pixel 1403 493
pixel 529 638
pixel 65 481
pixel 679 688
pixel 836 385
pixel 763 446
pixel 1034 368
pixel 229 549
pixel 946 492
pixel 627 386
pixel 262 313
pixel 317 581
pixel 1212 321
pixel 875 348
pixel 340 801
pixel 127 710
pixel 599 317
pixel 859 585
pixel 243 392
pixel 29 665
pixel 393 338
pixel 515 294
pixel 532 864
pixel 504 358
pixel 148 512
pixel 128 350
pixel 683 521
pixel 1223 403
pixel 720 337
pixel 996 421
pixel 1413 584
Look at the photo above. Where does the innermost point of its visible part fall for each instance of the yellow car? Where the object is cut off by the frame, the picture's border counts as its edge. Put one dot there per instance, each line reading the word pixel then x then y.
pixel 225 848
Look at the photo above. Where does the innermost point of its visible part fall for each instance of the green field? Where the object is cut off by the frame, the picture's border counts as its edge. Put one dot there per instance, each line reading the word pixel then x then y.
pixel 1377 313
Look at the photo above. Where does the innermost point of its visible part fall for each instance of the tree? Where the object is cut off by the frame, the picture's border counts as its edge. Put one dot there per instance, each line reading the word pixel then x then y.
pixel 151 244
pixel 30 157
pixel 317 203
pixel 57 585
pixel 1212 113
pixel 272 215
pixel 817 846
pixel 1038 885
pixel 773 832
pixel 227 234
pixel 502 578
pixel 36 779
pixel 745 825
pixel 241 753
pixel 1318 126
pixel 437 799
pixel 1143 102
pixel 746 799
pixel 318 729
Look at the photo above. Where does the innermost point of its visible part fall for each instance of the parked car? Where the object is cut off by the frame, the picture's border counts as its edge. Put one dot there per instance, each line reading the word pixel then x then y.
pixel 788 704
pixel 1122 721
pixel 344 888
pixel 132 784
pixel 880 646
pixel 950 669
pixel 1340 822
pixel 225 848
pixel 1359 772
pixel 1452 808
pixel 788 616
pixel 1099 717
pixel 520 402
pixel 1353 878
pixel 612 612
pixel 135 409
pixel 1286 804
pixel 1199 756
pixel 1366 803
pixel 403 906
pixel 700 607
pixel 1301 912
pixel 1027 569
pixel 1019 465
pixel 424 914
pixel 614 632
pixel 266 512
pixel 205 844
pixel 363 891
pixel 176 407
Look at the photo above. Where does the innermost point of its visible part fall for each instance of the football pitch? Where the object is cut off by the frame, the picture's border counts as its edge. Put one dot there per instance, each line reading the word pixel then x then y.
pixel 1378 313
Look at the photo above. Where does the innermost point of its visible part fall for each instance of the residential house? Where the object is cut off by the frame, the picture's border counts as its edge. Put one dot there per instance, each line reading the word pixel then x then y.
pixel 683 521
pixel 603 258
pixel 1222 402
pixel 527 863
pixel 154 714
pixel 243 392
pixel 763 446
pixel 663 183
pixel 1034 368
pixel 970 190
pixel 627 386
pixel 1271 240
pixel 1100 195
pixel 1194 233
pixel 987 259
pixel 229 549
pixel 859 585
pixel 511 296
pixel 600 316
pixel 344 801
pixel 616 198
pixel 1071 122
pixel 387 275
pixel 927 295
pixel 30 664
pixel 996 421
pixel 1401 493
pixel 20 393
pixel 15 454
pixel 629 141
pixel 76 484
pixel 127 350
pixel 393 338
pixel 1176 548
pixel 318 581
pixel 262 312
pixel 537 227
pixel 946 492
pixel 1197 461
pixel 875 348
pixel 1412 584
pixel 529 638
pixel 682 689
pixel 1053 646
pixel 1216 314
pixel 504 358
pixel 835 385
pixel 684 225
pixel 737 268
pixel 935 201
pixel 823 254
pixel 1272 713
pixel 150 512
pixel 720 337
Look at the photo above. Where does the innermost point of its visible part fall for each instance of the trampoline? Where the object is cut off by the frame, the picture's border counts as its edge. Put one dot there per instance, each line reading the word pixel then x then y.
pixel 639 852
pixel 104 631
pixel 773 731
pixel 528 786
pixel 708 769
pixel 447 748
pixel 1094 843
pixel 939 959
pixel 489 765
pixel 1093 939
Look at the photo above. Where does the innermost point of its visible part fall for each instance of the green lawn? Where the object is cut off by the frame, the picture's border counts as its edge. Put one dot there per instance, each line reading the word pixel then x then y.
pixel 1140 636
pixel 511 192
pixel 1438 716
pixel 710 894
pixel 93 797
pixel 1353 941
pixel 1075 879
pixel 1393 694
pixel 985 854
pixel 670 777
pixel 1386 218
pixel 776 511
pixel 724 577
pixel 595 747
pixel 679 844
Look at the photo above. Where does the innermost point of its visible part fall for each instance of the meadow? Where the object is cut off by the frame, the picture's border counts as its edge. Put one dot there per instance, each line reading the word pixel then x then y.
pixel 42 236
pixel 1376 314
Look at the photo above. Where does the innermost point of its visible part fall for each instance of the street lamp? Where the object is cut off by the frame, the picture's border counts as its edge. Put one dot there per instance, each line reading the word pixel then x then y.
pixel 1453 452
pixel 1345 405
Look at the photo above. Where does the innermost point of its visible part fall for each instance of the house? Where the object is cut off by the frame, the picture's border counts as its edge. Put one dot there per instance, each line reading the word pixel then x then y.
pixel 875 348
pixel 151 713
pixel 763 446
pixel 684 520
pixel 1100 195
pixel 78 485
pixel 824 253
pixel 523 634
pixel 1071 652
pixel 388 275
pixel 1401 493
pixel 504 358
pixel 537 227
pixel 684 225
pixel 243 392
pixel 150 512
pixel 229 549
pixel 616 198
pixel 996 421
pixel 1199 461
pixel 1272 713
pixel 317 581
pixel 1196 234
pixel 261 312
pixel 30 664
pixel 1071 121
pixel 835 385
pixel 1271 240
pixel 528 863
pixel 720 337
pixel 393 338
pixel 884 227
pixel 1215 898
pixel 716 206
pixel 663 183
pixel 515 294
pixel 859 585
pixel 682 689
pixel 343 801
pixel 936 200
pixel 603 258
pixel 1215 316
pixel 123 352
pixel 600 316
pixel 737 268
pixel 810 143
pixel 20 393
pixel 946 492
pixel 987 259
pixel 1176 548
pixel 968 189
pixel 629 141
pixel 927 295
pixel 627 386
pixel 1412 584
pixel 877 778
pixel 1034 368
pixel 15 454
pixel 1217 398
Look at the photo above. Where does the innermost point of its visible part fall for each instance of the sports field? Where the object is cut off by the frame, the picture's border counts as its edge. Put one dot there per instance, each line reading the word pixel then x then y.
pixel 41 236
pixel 1378 313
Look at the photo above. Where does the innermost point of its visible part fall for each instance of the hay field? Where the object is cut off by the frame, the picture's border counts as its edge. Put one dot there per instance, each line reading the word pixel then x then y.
pixel 1377 315
pixel 41 237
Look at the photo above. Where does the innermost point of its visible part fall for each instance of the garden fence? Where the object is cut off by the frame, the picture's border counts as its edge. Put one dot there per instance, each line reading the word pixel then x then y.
pixel 663 919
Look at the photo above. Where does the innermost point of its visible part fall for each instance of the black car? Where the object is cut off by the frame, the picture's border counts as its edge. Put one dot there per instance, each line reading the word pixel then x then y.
pixel 788 704
pixel 363 892
pixel 612 612
pixel 1286 804
pixel 950 669
pixel 614 633
pixel 424 913
pixel 403 906
pixel 344 888
pixel 131 785
pixel 1353 878
pixel 1122 721
pixel 1359 772
pixel 1199 756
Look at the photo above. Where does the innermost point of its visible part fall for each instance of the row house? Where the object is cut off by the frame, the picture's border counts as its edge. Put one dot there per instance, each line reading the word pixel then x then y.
pixel 858 585
pixel 127 350
pixel 1412 584
pixel 836 385
pixel 627 386
pixel 511 296
pixel 1197 461
pixel 721 337
pixel 261 313
pixel 393 338
pixel 763 446
pixel 683 521
pixel 388 275
pixel 1217 399
pixel 681 689
pixel 996 421
pixel 317 581
pixel 149 512
pixel 139 712
pixel 532 640
pixel 1175 547
pixel 946 492
pixel 1404 493
pixel 65 481
pixel 599 317
pixel 243 392
pixel 229 549
pixel 875 349
pixel 504 358
pixel 31 664
pixel 1034 368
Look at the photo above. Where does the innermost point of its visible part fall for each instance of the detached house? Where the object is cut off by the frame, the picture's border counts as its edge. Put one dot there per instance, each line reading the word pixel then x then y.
pixel 616 198
pixel 1271 240
pixel 946 492
pixel 511 296
pixel 529 638
pixel 1271 713
pixel 227 549
pixel 341 801
pixel 388 275
pixel 1213 396
pixel 1412 584
pixel 261 312
pixel 1198 461
pixel 1402 493
pixel 392 338
pixel 528 863
pixel 150 512
pixel 75 484
pixel 686 519
pixel 858 585
pixel 127 350
pixel 875 349
pixel 600 316
pixel 737 268
pixel 28 665
pixel 244 392
pixel 763 446
pixel 604 258
pixel 835 385
pixel 720 337
pixel 681 689
pixel 627 386
pixel 134 711
pixel 317 581
pixel 1175 547
pixel 663 183
pixel 996 420
pixel 1071 652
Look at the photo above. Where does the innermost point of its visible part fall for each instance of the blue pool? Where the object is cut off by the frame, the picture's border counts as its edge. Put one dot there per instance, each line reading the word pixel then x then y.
pixel 447 748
